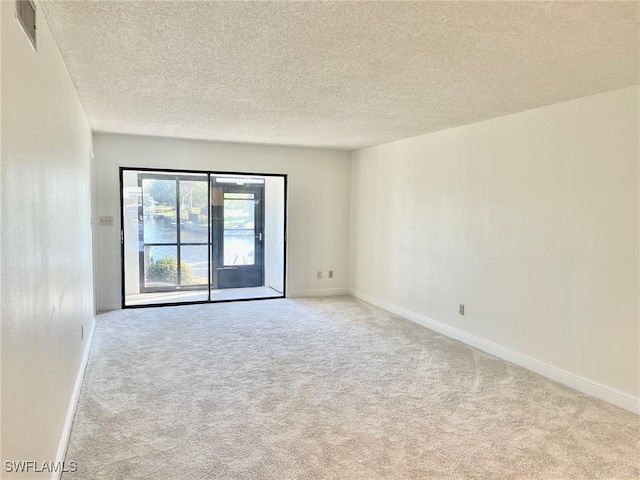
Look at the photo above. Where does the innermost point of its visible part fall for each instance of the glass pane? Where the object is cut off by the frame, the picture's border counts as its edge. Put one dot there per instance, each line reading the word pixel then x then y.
pixel 239 229
pixel 160 266
pixel 239 213
pixel 239 247
pixel 194 220
pixel 159 206
pixel 132 225
pixel 194 265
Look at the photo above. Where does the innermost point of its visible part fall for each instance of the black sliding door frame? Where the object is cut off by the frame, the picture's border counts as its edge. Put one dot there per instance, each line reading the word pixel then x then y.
pixel 192 175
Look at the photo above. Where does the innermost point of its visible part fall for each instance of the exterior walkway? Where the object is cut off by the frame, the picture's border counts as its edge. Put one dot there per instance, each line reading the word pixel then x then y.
pixel 201 295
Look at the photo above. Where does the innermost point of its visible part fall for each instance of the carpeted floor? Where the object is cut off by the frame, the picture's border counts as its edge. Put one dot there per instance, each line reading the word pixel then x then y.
pixel 326 388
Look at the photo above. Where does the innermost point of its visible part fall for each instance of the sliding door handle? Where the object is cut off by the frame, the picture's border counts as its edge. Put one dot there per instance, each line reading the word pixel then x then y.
pixel 259 236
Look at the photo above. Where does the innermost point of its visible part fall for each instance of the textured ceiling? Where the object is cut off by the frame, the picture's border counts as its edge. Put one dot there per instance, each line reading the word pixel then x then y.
pixel 334 74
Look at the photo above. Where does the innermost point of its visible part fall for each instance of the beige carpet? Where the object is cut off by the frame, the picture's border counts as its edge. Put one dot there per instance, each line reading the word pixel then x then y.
pixel 326 388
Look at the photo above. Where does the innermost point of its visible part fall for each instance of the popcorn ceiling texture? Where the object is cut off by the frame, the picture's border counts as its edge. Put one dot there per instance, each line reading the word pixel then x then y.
pixel 328 388
pixel 334 74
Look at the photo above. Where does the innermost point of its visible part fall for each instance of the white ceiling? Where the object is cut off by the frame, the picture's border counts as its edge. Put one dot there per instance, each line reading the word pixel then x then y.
pixel 334 74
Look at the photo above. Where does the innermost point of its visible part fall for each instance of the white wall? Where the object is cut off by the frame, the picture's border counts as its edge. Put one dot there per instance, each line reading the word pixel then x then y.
pixel 46 243
pixel 318 202
pixel 530 220
pixel 274 232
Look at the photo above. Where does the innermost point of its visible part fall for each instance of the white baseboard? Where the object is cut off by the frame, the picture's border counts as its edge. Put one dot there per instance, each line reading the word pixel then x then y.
pixel 73 403
pixel 319 292
pixel 577 382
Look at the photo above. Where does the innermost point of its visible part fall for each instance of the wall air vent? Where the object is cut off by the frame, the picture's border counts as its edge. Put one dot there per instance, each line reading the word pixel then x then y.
pixel 26 14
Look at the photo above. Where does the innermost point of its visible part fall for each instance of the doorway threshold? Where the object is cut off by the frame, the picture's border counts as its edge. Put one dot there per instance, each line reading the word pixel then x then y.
pixel 226 294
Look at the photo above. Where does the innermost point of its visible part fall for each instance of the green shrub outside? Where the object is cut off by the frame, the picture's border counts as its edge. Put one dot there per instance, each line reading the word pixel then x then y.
pixel 166 270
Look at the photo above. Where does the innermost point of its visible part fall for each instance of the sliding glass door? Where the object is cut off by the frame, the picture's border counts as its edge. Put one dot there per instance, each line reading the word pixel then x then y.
pixel 175 232
pixel 200 236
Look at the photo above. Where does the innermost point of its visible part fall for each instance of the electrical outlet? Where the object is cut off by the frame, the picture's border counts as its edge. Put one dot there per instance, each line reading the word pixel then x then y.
pixel 105 221
pixel 461 309
pixel 330 273
pixel 319 275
